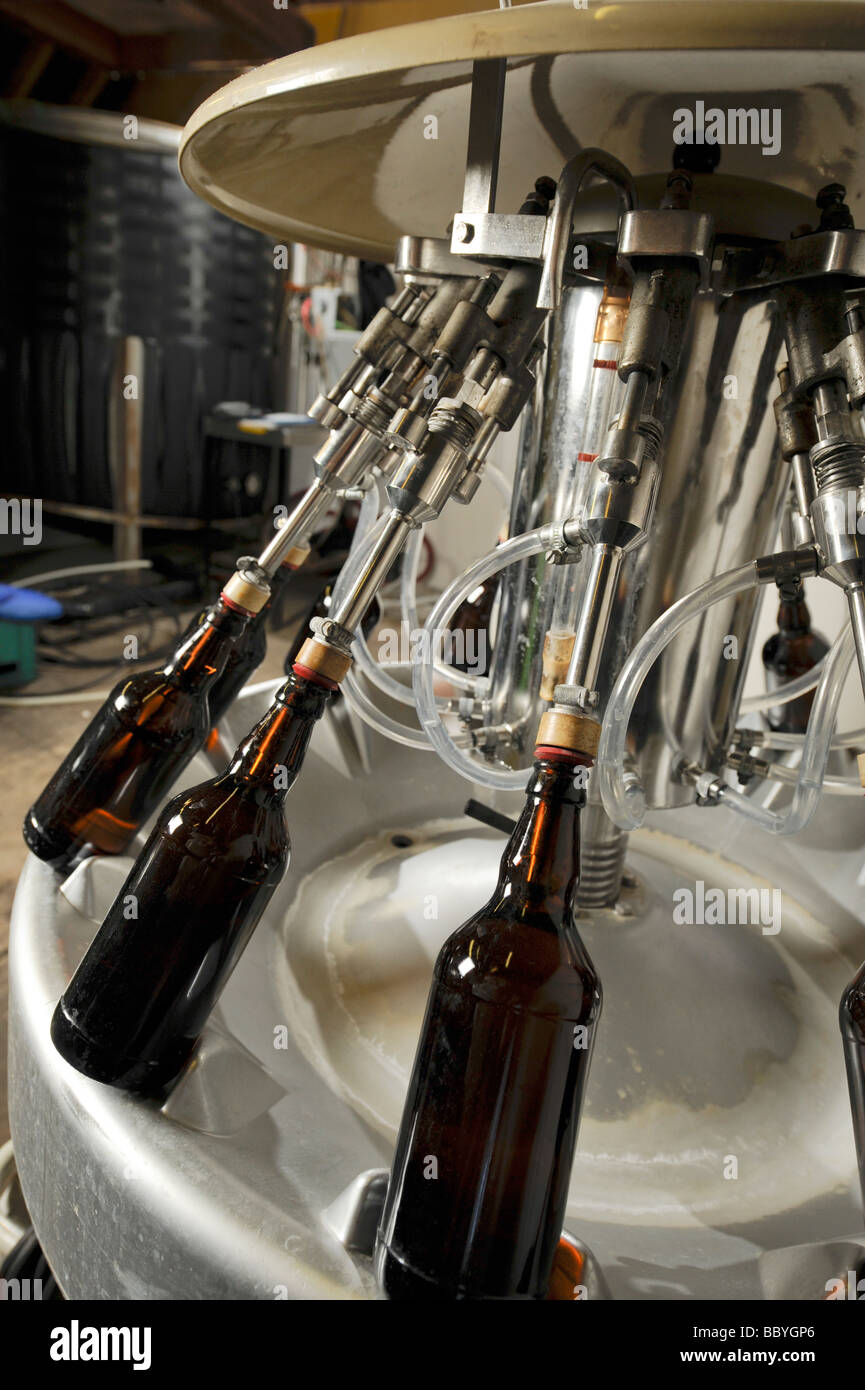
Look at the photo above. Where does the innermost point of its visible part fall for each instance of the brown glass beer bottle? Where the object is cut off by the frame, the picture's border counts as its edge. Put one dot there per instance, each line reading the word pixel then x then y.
pixel 852 1019
pixel 479 1182
pixel 146 732
pixel 250 648
pixel 790 652
pixel 472 618
pixel 135 1007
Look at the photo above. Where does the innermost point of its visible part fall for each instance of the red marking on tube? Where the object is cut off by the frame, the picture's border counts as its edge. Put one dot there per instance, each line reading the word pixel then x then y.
pixel 586 458
pixel 605 363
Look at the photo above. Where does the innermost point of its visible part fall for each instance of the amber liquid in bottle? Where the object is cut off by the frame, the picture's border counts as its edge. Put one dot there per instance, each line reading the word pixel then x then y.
pixel 134 1010
pixel 790 652
pixel 479 1182
pixel 473 619
pixel 123 764
pixel 852 1019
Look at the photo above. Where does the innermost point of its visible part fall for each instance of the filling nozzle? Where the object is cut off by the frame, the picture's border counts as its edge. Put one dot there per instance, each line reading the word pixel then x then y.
pixel 393 355
pixel 823 390
pixel 837 512
pixel 327 653
pixel 460 432
pixel 391 324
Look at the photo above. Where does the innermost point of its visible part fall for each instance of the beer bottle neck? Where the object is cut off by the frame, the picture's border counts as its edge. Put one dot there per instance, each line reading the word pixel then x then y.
pixel 793 615
pixel 540 866
pixel 272 754
pixel 202 654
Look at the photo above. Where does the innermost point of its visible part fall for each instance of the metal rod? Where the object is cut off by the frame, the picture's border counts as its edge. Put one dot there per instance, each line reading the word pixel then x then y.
pixel 803 483
pixel 387 548
pixel 598 596
pixel 558 235
pixel 635 398
pixel 297 527
pixel 485 134
pixel 856 605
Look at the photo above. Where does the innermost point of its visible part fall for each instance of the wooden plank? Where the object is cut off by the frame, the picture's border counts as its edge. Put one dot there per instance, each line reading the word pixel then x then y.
pixel 30 67
pixel 284 29
pixel 66 27
pixel 90 86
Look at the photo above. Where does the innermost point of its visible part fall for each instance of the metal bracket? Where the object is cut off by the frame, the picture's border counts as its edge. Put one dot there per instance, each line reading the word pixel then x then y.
pixel 660 233
pixel 849 358
pixel 499 236
pixel 802 258
pixel 787 565
pixel 429 259
pixel 490 238
pixel 746 766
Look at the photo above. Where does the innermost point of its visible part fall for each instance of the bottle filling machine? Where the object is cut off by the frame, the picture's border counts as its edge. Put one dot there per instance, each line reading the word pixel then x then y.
pixel 630 236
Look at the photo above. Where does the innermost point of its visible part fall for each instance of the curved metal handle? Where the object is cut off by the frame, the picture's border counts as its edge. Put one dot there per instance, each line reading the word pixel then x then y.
pixel 558 231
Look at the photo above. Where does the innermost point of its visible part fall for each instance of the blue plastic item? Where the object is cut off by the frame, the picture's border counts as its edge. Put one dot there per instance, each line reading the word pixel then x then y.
pixel 27 606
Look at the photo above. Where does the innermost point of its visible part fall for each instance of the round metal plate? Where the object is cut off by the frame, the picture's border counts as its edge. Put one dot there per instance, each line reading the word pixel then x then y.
pixel 352 144
pixel 715 1042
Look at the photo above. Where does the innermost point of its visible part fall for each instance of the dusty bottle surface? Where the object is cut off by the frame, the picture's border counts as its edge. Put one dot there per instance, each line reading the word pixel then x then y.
pixel 146 732
pixel 480 1176
pixel 792 651
pixel 133 1012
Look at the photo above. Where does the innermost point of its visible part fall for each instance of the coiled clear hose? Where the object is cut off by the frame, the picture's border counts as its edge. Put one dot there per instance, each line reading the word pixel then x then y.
pixel 835 786
pixel 621 792
pixel 501 779
pixel 815 750
pixel 775 739
pixel 756 704
pixel 367 532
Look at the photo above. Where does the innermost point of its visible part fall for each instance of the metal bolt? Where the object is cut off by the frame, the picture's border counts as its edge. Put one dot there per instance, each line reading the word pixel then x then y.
pixel 463 231
pixel 831 195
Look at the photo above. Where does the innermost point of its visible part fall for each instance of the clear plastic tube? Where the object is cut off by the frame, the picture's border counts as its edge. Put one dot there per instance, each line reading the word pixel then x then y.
pixel 519 548
pixel 30 580
pixel 622 793
pixel 815 750
pixel 369 527
pixel 408 606
pixel 370 713
pixel 838 786
pixel 387 684
pixel 756 704
pixel 367 532
pixel 499 481
pixel 366 528
pixel 774 739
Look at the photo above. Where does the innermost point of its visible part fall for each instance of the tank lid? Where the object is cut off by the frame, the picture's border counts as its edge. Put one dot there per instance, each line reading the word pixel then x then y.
pixel 354 143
